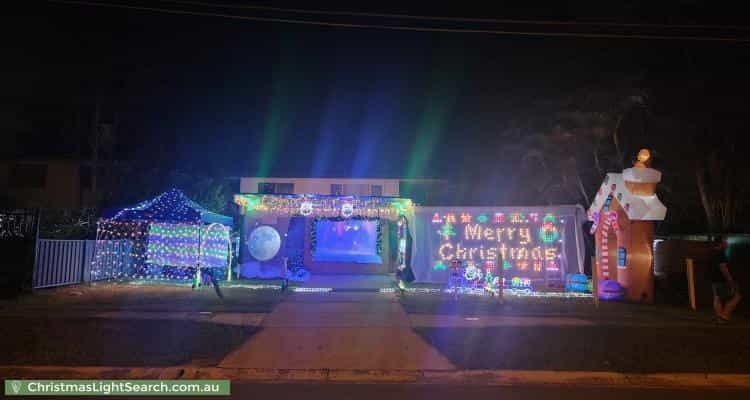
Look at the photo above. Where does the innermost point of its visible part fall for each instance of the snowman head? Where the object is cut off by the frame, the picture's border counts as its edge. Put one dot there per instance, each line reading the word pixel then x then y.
pixel 347 210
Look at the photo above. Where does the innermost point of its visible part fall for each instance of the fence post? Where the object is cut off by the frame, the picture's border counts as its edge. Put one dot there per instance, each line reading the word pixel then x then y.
pixel 594 282
pixel 229 256
pixel 690 270
pixel 86 270
pixel 35 265
pixel 34 272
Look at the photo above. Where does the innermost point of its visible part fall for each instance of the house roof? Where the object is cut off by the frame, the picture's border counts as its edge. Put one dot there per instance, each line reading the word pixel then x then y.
pixel 637 208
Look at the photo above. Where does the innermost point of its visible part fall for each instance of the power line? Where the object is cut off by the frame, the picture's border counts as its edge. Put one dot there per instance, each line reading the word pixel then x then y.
pixel 406 28
pixel 458 19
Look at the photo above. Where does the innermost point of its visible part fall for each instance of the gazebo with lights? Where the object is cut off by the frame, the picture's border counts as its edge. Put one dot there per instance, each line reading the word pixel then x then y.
pixel 167 237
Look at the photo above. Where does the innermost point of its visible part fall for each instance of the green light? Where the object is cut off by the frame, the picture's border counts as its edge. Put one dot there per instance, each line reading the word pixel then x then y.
pixel 251 202
pixel 439 266
pixel 402 206
pixel 482 218
pixel 548 232
pixel 489 278
pixel 445 79
pixel 447 231
pixel 278 116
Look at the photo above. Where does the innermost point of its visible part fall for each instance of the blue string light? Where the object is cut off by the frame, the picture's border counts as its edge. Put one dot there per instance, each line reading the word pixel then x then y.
pixel 166 237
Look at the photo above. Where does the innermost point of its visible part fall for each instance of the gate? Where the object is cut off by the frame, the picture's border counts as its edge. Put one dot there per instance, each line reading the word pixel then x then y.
pixel 68 262
pixel 59 262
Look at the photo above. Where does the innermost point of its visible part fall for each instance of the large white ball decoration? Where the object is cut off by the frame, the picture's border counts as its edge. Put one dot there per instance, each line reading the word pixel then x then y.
pixel 264 243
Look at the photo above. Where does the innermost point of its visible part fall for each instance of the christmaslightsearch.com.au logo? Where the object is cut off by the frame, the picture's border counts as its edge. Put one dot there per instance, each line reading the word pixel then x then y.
pixel 71 387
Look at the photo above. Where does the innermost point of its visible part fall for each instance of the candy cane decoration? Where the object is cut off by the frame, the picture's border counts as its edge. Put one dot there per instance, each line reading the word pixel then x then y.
pixel 610 220
pixel 595 224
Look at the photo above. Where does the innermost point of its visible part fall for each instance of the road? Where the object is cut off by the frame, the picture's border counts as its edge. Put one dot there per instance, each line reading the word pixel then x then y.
pixel 452 392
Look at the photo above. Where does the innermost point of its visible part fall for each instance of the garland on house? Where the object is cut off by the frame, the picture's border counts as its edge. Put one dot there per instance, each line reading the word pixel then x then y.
pixel 322 206
pixel 314 226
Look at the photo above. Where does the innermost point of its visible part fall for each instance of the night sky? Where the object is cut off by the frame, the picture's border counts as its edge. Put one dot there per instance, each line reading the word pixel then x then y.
pixel 233 97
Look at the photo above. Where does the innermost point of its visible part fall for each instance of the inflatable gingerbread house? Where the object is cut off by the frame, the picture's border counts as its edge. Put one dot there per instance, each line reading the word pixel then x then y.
pixel 623 215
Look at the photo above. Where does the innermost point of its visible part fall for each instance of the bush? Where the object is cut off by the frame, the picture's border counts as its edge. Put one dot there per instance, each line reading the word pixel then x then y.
pixel 67 224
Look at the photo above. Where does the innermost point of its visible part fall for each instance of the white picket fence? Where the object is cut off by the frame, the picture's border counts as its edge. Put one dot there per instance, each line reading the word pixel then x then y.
pixel 67 262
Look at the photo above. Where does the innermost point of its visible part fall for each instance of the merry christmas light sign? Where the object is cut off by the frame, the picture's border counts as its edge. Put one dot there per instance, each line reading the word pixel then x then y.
pixel 525 244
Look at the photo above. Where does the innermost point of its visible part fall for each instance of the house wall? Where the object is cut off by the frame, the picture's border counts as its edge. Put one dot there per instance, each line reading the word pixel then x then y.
pixel 61 189
pixel 322 186
pixel 281 224
pixel 5 196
